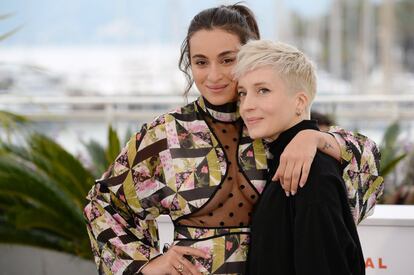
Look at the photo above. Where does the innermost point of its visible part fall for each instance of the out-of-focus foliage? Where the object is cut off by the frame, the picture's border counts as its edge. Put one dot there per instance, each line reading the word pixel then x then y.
pixel 43 189
pixel 393 154
pixel 390 149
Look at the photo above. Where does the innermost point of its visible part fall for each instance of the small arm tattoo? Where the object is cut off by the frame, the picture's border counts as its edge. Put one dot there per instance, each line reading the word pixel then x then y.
pixel 327 146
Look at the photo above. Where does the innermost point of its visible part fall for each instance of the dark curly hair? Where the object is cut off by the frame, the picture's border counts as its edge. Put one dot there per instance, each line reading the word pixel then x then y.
pixel 236 19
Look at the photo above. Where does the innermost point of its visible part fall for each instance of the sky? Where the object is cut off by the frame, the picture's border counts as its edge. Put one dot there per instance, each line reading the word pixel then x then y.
pixel 114 22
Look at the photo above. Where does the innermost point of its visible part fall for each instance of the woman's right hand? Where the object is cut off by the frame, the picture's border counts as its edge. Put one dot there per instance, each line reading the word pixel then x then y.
pixel 173 262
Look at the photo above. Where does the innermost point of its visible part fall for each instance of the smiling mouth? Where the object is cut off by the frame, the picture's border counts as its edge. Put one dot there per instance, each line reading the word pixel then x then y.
pixel 217 88
pixel 252 121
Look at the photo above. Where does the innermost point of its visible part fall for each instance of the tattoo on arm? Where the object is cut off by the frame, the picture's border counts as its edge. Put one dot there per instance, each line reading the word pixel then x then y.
pixel 327 146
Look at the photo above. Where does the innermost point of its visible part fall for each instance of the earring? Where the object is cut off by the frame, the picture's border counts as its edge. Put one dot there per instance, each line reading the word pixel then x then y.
pixel 298 112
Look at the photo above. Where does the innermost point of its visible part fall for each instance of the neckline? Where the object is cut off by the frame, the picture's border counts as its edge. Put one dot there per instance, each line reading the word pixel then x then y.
pixel 228 112
pixel 286 136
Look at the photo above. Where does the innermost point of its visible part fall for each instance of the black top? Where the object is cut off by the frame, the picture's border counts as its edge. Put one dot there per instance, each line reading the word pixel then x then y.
pixel 312 232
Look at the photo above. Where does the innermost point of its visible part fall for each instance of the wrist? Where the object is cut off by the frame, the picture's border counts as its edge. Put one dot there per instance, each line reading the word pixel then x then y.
pixel 315 137
pixel 141 271
pixel 147 268
pixel 320 140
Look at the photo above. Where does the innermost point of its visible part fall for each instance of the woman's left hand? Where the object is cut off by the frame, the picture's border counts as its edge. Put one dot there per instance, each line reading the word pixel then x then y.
pixel 296 160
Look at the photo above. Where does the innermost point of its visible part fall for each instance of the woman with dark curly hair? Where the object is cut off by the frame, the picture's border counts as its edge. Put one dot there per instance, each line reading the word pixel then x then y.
pixel 198 165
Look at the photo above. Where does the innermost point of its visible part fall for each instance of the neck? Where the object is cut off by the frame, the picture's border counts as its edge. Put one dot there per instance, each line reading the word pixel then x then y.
pixel 277 146
pixel 227 112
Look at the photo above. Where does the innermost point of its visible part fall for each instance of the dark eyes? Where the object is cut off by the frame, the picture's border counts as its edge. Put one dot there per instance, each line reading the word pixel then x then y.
pixel 200 62
pixel 225 61
pixel 228 60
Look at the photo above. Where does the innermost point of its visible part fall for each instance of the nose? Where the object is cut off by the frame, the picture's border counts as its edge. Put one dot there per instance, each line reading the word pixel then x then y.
pixel 247 103
pixel 215 73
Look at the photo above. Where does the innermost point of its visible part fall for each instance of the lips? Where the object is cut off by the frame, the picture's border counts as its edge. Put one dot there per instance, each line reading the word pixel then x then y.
pixel 217 88
pixel 252 120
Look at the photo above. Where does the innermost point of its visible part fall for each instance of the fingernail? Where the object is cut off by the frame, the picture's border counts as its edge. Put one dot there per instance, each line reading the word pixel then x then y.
pixel 287 194
pixel 293 193
pixel 301 185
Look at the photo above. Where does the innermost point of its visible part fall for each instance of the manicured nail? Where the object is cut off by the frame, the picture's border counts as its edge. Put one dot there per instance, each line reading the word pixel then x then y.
pixel 293 193
pixel 287 194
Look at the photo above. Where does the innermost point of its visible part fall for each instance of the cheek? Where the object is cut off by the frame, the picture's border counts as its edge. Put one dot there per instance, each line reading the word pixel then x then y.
pixel 241 110
pixel 229 72
pixel 272 107
pixel 233 85
pixel 197 75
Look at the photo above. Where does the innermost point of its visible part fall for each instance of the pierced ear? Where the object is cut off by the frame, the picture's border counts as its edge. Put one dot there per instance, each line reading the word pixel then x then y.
pixel 302 101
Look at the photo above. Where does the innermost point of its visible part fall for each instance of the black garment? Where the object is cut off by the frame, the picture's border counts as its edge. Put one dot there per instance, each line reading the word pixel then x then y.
pixel 310 233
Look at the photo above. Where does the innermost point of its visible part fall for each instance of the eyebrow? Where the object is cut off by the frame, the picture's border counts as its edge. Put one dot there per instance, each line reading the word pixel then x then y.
pixel 220 55
pixel 255 84
pixel 260 83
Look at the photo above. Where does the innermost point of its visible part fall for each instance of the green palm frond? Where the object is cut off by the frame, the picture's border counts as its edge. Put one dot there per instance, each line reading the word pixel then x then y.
pixel 42 194
pixel 114 145
pixel 20 180
pixel 388 145
pixel 390 166
pixel 25 218
pixel 43 239
pixel 12 119
pixel 10 33
pixel 43 189
pixel 98 157
pixel 103 157
pixel 68 173
pixel 127 136
pixel 389 148
pixel 11 235
pixel 7 15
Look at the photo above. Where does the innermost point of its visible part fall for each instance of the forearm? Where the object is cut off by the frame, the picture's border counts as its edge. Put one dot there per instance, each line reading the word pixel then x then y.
pixel 328 145
pixel 361 158
pixel 116 244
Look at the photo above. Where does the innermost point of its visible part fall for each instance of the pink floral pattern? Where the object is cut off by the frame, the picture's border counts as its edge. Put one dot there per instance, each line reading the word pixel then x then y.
pixel 163 160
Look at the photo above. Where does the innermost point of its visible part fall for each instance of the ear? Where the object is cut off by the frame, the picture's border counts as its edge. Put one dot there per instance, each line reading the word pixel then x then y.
pixel 302 101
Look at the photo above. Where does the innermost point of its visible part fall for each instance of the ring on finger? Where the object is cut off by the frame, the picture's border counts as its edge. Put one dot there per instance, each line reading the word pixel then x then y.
pixel 180 268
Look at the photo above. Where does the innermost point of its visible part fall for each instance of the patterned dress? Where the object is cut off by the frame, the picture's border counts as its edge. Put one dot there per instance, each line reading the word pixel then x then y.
pixel 198 165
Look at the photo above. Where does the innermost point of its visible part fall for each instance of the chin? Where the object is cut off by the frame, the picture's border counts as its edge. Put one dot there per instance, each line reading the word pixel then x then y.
pixel 220 100
pixel 254 135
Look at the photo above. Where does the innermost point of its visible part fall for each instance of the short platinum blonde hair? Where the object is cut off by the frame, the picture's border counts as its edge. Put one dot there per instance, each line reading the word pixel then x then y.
pixel 292 65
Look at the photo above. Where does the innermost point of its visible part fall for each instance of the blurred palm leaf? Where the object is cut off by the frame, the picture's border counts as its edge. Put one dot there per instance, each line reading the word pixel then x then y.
pixel 10 121
pixel 5 16
pixel 43 189
pixel 114 145
pixel 11 32
pixel 388 167
pixel 98 157
pixel 42 193
pixel 103 157
pixel 390 149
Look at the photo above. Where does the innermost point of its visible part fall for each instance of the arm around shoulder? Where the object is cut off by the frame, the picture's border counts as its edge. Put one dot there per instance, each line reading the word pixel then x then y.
pixel 360 161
